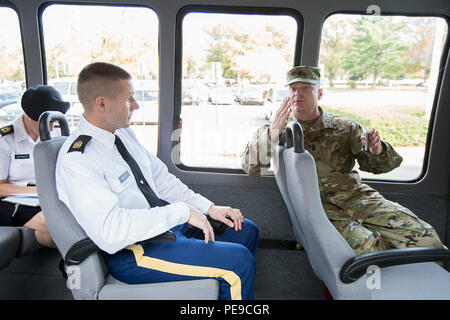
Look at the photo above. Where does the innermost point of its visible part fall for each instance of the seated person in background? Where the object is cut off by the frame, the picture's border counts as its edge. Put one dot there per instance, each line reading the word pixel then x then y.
pixel 366 220
pixel 16 160
pixel 121 194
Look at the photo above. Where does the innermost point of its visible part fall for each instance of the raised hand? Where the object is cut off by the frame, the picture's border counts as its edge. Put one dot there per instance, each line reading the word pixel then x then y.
pixel 279 121
pixel 373 142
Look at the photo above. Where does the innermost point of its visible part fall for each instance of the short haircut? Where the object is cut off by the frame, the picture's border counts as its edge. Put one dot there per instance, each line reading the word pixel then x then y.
pixel 99 79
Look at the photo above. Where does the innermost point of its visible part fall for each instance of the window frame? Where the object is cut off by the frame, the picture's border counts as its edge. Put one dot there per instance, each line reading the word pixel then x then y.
pixel 178 76
pixel 444 56
pixel 7 4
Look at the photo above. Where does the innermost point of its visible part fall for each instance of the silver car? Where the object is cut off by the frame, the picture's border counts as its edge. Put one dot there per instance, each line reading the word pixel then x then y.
pixel 274 98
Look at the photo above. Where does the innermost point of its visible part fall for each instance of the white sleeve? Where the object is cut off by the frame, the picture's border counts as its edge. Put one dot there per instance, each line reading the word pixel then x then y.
pixel 171 189
pixel 5 160
pixel 81 185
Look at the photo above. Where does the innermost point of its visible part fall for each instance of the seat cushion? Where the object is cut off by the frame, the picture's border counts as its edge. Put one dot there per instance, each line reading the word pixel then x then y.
pixel 204 289
pixel 9 245
pixel 418 281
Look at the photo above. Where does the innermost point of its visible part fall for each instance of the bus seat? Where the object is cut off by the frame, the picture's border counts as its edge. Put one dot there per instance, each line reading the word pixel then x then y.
pixel 404 273
pixel 16 242
pixel 28 242
pixel 9 245
pixel 279 171
pixel 89 279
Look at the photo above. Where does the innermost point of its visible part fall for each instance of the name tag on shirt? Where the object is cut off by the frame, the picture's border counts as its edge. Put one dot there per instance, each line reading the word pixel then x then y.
pixel 124 176
pixel 22 156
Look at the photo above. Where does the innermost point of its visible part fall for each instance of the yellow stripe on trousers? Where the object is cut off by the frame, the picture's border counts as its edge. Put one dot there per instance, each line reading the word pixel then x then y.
pixel 188 270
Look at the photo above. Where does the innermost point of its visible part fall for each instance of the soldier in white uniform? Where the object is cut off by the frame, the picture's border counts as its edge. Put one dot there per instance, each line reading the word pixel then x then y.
pixel 16 160
pixel 121 195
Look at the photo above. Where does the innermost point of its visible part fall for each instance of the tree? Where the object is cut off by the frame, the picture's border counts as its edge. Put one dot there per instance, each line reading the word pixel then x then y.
pixel 223 47
pixel 135 54
pixel 417 59
pixel 11 60
pixel 335 44
pixel 257 53
pixel 376 48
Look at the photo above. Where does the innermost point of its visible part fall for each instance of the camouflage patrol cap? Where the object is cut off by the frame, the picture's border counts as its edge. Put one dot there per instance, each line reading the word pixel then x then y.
pixel 303 74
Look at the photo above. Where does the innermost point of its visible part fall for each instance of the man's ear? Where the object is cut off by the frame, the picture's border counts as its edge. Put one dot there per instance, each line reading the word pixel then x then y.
pixel 100 104
pixel 319 93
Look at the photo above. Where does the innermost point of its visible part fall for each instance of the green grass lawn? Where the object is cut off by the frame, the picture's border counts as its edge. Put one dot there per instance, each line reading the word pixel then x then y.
pixel 401 128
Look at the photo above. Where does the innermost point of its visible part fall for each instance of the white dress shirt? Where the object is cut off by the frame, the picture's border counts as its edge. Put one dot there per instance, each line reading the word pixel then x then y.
pixel 99 188
pixel 16 155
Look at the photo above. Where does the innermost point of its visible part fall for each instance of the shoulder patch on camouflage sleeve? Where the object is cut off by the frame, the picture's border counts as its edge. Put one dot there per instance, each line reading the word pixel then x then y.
pixel 7 130
pixel 80 143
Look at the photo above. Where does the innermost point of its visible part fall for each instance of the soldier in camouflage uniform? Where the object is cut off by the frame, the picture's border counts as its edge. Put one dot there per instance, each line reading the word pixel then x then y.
pixel 366 220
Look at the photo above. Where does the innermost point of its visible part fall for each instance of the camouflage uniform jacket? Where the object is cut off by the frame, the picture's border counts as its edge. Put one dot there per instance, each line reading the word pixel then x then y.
pixel 335 143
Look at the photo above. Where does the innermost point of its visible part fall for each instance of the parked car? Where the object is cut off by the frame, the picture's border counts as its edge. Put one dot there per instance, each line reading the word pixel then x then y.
pixel 274 98
pixel 67 87
pixel 250 96
pixel 147 113
pixel 143 95
pixel 147 95
pixel 10 112
pixel 74 113
pixel 7 98
pixel 221 95
pixel 190 95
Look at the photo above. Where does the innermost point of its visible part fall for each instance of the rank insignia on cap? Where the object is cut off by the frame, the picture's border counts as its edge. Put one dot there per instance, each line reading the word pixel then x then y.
pixel 80 143
pixel 6 130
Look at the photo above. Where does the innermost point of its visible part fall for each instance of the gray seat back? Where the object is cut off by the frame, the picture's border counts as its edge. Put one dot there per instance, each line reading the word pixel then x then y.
pixel 16 242
pixel 327 250
pixel 9 245
pixel 280 177
pixel 28 243
pixel 89 276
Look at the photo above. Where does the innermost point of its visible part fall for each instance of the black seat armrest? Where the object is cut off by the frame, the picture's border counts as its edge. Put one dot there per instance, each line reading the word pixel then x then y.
pixel 85 247
pixel 357 266
pixel 218 226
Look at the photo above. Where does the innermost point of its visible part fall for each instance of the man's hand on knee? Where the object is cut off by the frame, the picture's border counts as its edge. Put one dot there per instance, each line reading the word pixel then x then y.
pixel 198 220
pixel 221 213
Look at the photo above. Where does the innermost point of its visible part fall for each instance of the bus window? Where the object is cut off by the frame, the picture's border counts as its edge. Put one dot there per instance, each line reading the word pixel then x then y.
pixel 76 35
pixel 12 72
pixel 229 63
pixel 382 71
